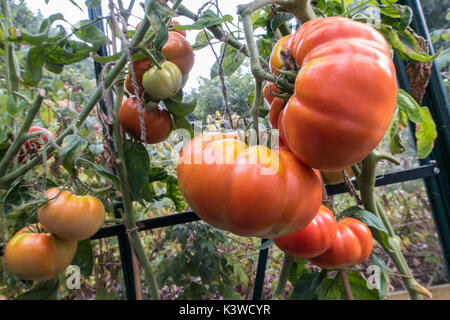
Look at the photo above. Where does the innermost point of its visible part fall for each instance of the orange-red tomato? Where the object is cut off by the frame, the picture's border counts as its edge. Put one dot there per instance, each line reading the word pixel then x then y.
pixel 314 239
pixel 276 60
pixel 31 255
pixel 70 216
pixel 352 245
pixel 32 146
pixel 140 67
pixel 178 50
pixel 158 123
pixel 345 93
pixel 276 107
pixel 250 191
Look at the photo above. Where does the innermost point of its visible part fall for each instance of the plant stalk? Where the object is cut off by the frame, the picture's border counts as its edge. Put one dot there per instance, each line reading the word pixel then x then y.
pixel 284 275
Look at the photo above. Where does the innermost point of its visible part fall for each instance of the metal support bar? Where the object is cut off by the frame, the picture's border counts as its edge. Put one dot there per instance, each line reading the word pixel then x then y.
pixel 260 272
pixel 124 241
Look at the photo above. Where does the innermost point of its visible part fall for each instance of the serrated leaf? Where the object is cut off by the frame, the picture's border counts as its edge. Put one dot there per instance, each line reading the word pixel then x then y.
pixel 359 287
pixel 138 167
pixel 84 257
pixel 44 290
pixel 306 286
pixel 88 32
pixel 73 146
pixel 395 142
pixel 426 134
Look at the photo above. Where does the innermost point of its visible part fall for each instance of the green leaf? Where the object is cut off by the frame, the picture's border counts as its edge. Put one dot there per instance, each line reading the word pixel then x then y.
pixel 201 40
pixel 155 17
pixel 306 286
pixel 44 290
pixel 179 108
pixel 406 49
pixel 33 66
pixel 409 105
pixel 102 172
pixel 231 62
pixel 279 19
pixel 107 59
pixel 138 167
pixel 264 48
pixel 331 289
pixel 366 217
pixel 359 287
pixel 157 174
pixel 181 122
pixel 69 52
pixel 426 134
pixel 88 32
pixel 174 193
pixel 73 146
pixel 384 274
pixel 395 142
pixel 84 258
pixel 207 19
pixel 11 106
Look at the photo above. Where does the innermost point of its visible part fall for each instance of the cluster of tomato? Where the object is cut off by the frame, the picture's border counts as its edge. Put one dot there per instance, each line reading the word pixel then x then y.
pixel 343 102
pixel 43 250
pixel 158 82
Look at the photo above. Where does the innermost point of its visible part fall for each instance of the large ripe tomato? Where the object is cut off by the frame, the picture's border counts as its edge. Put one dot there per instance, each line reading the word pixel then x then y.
pixel 31 255
pixel 276 58
pixel 178 50
pixel 140 67
pixel 345 93
pixel 158 123
pixel 164 82
pixel 32 146
pixel 250 191
pixel 352 245
pixel 314 239
pixel 276 108
pixel 70 216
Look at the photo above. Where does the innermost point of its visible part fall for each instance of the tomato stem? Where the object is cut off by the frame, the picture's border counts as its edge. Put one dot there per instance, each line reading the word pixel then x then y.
pixel 284 275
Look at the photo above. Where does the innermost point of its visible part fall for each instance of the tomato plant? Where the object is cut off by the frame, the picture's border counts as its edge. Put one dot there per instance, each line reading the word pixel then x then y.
pixel 71 217
pixel 314 239
pixel 231 186
pixel 32 254
pixel 158 123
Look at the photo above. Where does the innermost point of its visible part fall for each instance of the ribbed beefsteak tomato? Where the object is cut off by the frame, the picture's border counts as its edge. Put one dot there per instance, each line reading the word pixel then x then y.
pixel 248 190
pixel 345 93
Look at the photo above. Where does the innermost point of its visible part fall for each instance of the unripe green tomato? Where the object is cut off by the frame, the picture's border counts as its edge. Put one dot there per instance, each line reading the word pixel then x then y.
pixel 162 83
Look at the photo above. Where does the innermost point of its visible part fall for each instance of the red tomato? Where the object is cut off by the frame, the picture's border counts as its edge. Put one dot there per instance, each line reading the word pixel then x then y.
pixel 345 93
pixel 31 255
pixel 352 245
pixel 250 191
pixel 268 88
pixel 178 50
pixel 140 67
pixel 32 146
pixel 71 217
pixel 158 123
pixel 314 239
